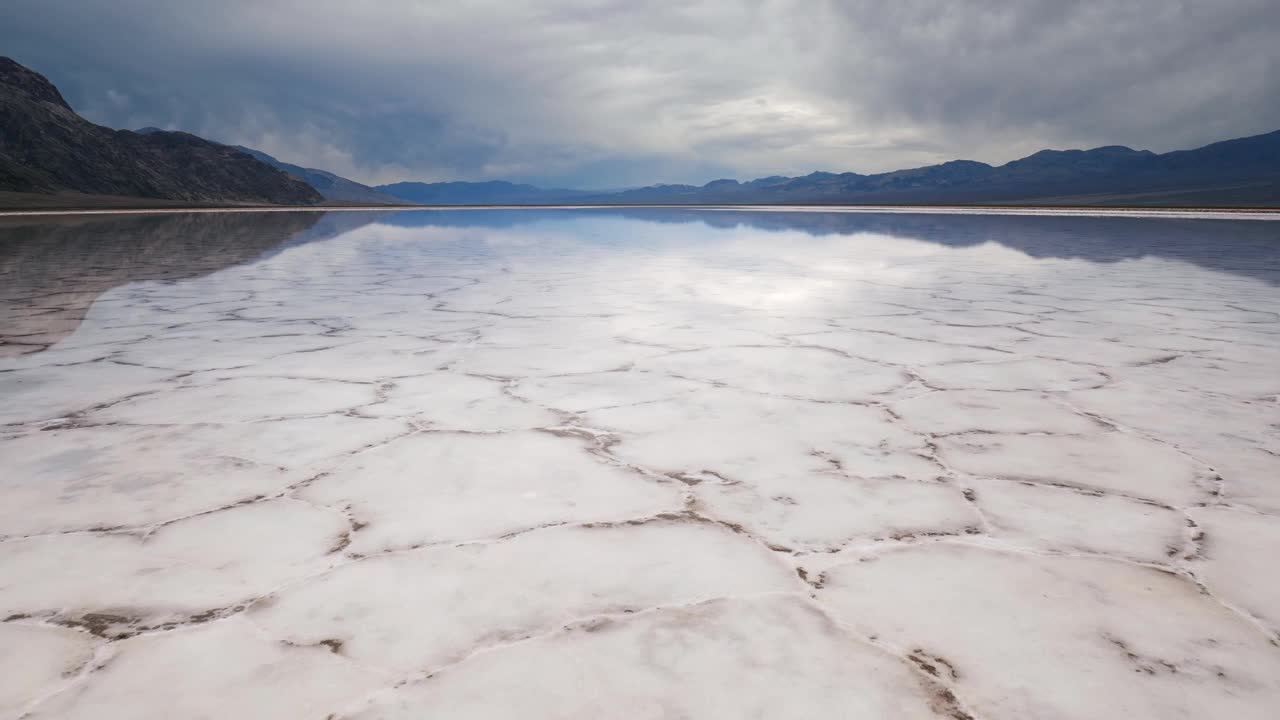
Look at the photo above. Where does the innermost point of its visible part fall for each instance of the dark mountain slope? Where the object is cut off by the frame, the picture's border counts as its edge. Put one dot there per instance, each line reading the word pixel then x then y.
pixel 45 147
pixel 332 187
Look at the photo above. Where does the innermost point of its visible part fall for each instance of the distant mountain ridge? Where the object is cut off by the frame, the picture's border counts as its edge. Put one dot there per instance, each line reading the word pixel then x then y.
pixel 46 148
pixel 1247 169
pixel 493 192
pixel 1242 172
pixel 332 187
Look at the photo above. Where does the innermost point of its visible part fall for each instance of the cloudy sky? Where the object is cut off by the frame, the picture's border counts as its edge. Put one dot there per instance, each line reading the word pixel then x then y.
pixel 611 93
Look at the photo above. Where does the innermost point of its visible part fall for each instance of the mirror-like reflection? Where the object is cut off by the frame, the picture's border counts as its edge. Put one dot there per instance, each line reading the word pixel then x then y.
pixel 918 465
pixel 53 268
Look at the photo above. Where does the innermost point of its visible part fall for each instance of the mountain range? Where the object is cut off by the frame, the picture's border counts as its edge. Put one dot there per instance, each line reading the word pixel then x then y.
pixel 48 151
pixel 1244 172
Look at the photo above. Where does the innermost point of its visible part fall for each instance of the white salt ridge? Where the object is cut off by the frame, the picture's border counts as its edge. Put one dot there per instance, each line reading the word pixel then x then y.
pixel 95 475
pixel 430 488
pixel 224 668
pixel 1109 462
pixel 775 658
pixel 239 400
pixel 205 563
pixel 1065 520
pixel 1237 554
pixel 47 393
pixel 801 372
pixel 562 573
pixel 37 661
pixel 448 401
pixel 1019 635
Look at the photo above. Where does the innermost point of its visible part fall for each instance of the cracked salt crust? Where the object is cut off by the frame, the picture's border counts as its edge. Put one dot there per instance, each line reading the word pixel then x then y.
pixel 417 467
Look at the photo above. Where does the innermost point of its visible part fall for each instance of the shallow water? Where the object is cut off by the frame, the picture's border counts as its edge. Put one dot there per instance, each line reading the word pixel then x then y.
pixel 639 463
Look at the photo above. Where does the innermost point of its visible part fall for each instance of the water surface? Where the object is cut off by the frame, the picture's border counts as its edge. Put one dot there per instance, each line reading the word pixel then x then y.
pixel 639 463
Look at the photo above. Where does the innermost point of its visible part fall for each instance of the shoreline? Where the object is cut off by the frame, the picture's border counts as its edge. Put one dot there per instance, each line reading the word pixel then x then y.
pixel 1025 210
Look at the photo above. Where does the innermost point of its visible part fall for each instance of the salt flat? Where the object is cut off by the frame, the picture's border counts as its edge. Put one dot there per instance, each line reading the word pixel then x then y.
pixel 639 464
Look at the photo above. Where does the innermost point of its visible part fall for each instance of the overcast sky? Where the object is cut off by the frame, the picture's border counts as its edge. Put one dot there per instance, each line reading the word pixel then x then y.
pixel 623 92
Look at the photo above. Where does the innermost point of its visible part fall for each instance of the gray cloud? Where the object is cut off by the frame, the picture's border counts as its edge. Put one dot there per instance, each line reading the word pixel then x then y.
pixel 610 93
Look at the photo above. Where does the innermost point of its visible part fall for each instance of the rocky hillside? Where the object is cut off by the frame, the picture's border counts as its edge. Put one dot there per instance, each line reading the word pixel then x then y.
pixel 45 147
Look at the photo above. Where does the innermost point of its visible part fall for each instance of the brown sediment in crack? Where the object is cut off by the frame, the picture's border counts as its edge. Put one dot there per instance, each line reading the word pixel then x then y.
pixel 694 478
pixel 695 514
pixel 117 625
pixel 943 701
pixel 1157 361
pixel 102 624
pixel 1195 542
pixel 1080 490
pixel 333 645
pixel 829 459
pixel 1141 663
pixel 905 535
pixel 690 514
pixel 815 581
pixel 343 541
pixel 1217 490
pixel 593 625
pixel 683 516
pixel 935 665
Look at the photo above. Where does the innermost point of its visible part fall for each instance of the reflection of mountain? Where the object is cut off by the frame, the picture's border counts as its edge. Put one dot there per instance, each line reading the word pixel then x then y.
pixel 53 269
pixel 329 225
pixel 1247 247
pixel 1242 247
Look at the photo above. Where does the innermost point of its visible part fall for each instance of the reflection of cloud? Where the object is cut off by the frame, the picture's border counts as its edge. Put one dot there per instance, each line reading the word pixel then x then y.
pixel 613 93
pixel 715 269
